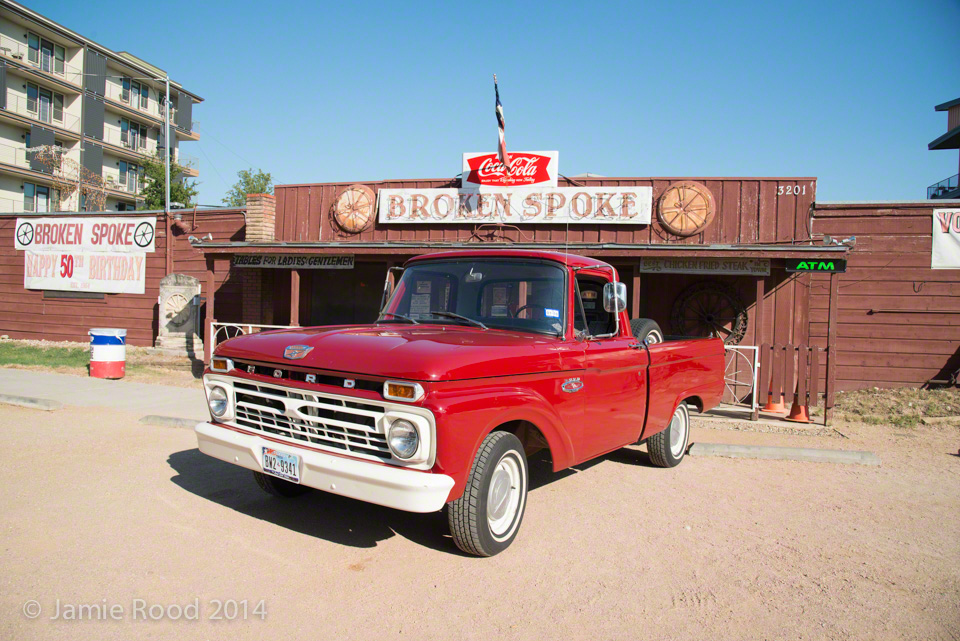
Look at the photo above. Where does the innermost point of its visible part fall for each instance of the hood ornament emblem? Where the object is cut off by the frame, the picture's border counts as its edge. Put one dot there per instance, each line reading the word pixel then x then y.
pixel 296 352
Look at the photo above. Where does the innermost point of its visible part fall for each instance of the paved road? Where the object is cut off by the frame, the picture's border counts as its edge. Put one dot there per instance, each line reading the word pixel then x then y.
pixel 140 398
pixel 98 509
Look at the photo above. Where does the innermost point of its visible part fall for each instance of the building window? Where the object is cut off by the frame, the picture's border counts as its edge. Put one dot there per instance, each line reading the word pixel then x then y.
pixel 45 54
pixel 126 207
pixel 134 93
pixel 133 135
pixel 129 176
pixel 40 198
pixel 45 104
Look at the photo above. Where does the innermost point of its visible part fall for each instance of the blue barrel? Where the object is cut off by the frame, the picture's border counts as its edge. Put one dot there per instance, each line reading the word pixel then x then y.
pixel 108 352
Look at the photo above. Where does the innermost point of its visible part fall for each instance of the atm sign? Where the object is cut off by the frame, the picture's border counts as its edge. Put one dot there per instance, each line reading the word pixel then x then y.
pixel 831 266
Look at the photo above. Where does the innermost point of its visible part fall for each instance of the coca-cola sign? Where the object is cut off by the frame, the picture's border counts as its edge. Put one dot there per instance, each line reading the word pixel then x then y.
pixel 528 169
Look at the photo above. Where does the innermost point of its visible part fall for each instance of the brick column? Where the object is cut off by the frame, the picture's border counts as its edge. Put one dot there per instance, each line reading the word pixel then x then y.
pixel 260 227
pixel 261 218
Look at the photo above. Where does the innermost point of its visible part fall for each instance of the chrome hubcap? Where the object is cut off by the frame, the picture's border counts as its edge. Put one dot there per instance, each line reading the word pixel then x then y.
pixel 505 495
pixel 678 432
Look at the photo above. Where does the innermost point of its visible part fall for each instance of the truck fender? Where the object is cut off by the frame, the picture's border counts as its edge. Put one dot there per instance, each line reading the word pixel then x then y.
pixel 472 418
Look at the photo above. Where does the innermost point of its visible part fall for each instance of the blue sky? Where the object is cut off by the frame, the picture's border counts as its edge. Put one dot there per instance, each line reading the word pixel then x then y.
pixel 318 92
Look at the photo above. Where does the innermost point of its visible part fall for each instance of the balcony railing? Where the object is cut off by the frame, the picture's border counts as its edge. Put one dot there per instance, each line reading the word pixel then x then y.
pixel 186 160
pixel 41 112
pixel 127 140
pixel 19 156
pixel 944 187
pixel 9 206
pixel 130 185
pixel 153 109
pixel 41 60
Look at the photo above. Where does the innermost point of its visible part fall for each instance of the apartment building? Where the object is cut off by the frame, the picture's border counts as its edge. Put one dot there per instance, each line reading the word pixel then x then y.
pixel 104 110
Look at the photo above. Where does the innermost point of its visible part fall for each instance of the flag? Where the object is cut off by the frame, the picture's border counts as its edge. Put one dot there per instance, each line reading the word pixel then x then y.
pixel 502 154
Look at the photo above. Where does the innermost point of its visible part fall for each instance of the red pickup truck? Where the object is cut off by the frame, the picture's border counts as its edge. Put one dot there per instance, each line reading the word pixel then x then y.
pixel 478 360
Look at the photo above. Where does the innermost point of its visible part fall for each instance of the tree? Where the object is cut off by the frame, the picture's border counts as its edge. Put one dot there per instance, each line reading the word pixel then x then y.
pixel 182 191
pixel 249 183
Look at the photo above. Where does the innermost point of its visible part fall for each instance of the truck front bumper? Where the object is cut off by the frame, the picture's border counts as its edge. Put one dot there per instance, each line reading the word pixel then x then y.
pixel 396 487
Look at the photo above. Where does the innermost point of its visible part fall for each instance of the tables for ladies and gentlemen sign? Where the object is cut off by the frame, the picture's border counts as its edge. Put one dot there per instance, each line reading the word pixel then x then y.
pixel 946 239
pixel 291 261
pixel 97 254
pixel 518 205
pixel 730 266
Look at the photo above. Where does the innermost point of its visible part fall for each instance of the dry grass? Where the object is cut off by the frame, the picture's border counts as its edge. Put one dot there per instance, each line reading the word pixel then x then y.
pixel 145 365
pixel 898 407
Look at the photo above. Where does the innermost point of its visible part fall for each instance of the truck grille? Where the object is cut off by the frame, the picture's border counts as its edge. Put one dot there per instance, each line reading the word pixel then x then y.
pixel 327 422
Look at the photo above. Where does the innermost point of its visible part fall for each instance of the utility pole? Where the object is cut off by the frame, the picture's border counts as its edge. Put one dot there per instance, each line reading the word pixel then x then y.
pixel 166 141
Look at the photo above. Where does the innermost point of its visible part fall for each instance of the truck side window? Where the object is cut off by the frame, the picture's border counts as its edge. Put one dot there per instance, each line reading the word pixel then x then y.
pixel 599 321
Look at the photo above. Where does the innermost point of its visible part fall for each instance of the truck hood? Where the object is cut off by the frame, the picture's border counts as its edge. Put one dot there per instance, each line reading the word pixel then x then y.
pixel 411 352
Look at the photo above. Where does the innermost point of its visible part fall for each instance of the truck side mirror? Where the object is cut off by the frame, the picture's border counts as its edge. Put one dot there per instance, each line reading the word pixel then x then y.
pixel 614 297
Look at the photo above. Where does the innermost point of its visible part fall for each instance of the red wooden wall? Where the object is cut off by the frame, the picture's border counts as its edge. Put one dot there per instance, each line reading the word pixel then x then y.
pixel 899 320
pixel 26 314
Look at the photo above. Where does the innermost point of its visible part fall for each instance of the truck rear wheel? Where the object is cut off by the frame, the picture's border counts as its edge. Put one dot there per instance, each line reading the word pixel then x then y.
pixel 278 487
pixel 667 448
pixel 486 519
pixel 646 329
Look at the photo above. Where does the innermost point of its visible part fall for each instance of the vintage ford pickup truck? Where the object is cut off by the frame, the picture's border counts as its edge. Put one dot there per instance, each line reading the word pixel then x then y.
pixel 478 360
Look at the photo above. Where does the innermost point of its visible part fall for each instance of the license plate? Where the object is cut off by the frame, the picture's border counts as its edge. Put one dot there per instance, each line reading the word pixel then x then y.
pixel 282 465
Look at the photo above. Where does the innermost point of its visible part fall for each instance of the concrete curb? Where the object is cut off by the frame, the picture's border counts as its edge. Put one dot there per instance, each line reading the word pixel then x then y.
pixel 785 453
pixel 34 403
pixel 169 421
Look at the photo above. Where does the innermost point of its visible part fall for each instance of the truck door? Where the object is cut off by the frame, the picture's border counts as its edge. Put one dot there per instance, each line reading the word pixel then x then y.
pixel 615 385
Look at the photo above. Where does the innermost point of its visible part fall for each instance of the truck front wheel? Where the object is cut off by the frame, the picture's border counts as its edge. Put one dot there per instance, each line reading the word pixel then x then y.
pixel 666 448
pixel 485 520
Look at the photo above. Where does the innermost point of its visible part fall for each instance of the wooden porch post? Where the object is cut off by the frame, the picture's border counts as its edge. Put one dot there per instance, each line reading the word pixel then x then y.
pixel 295 297
pixel 831 348
pixel 635 301
pixel 758 339
pixel 209 318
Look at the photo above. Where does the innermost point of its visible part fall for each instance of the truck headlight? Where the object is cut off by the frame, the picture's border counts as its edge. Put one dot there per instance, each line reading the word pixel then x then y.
pixel 217 401
pixel 403 438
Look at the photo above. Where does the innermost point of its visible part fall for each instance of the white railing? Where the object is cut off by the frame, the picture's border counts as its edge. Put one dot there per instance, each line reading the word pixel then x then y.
pixel 13 155
pixel 9 206
pixel 42 61
pixel 133 101
pixel 186 160
pixel 131 185
pixel 119 139
pixel 226 331
pixel 741 373
pixel 34 110
pixel 220 332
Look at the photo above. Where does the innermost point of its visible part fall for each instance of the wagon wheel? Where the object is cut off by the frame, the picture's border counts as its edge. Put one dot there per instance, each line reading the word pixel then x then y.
pixel 738 377
pixel 686 208
pixel 353 209
pixel 710 309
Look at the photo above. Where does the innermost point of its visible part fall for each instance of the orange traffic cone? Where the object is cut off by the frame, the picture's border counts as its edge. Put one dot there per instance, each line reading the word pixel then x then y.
pixel 798 413
pixel 774 406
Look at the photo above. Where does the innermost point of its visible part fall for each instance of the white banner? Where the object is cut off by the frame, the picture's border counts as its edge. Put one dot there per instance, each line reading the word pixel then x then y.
pixel 78 271
pixel 946 239
pixel 65 233
pixel 518 205
pixel 286 261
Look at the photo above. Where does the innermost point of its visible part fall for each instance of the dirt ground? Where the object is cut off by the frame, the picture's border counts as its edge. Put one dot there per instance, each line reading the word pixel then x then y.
pixel 100 510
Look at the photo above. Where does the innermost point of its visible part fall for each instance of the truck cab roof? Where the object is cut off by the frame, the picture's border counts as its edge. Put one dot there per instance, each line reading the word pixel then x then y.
pixel 573 260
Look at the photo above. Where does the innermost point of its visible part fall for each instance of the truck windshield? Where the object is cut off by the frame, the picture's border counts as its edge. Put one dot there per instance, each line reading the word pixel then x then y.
pixel 496 294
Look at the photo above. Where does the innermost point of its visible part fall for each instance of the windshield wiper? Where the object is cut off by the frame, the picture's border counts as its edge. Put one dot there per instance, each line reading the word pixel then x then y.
pixel 459 317
pixel 400 316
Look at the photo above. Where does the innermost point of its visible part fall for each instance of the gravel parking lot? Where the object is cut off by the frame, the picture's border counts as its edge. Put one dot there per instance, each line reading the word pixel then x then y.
pixel 99 510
